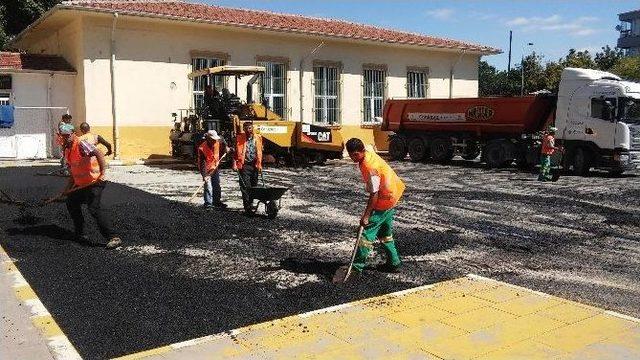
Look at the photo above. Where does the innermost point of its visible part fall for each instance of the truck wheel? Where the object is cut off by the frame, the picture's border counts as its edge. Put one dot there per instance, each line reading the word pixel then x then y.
pixel 441 150
pixel 471 152
pixel 417 149
pixel 581 162
pixel 397 148
pixel 494 155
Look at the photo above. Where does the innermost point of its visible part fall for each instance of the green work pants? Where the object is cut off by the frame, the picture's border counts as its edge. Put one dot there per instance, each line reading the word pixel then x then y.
pixel 380 227
pixel 545 168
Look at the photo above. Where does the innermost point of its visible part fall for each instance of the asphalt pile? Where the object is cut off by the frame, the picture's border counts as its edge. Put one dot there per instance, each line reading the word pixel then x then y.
pixel 185 272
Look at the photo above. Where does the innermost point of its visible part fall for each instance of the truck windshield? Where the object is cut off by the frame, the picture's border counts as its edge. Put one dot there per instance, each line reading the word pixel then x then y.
pixel 630 110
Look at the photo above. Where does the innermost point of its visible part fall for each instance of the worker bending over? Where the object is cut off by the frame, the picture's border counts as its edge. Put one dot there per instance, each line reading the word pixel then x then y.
pixel 87 167
pixel 93 139
pixel 209 154
pixel 248 160
pixel 548 149
pixel 385 189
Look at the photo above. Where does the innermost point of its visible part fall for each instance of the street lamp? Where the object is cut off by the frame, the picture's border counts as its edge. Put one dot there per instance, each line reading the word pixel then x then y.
pixel 522 70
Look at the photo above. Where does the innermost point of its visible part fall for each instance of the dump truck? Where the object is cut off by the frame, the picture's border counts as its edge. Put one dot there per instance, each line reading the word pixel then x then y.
pixel 285 142
pixel 597 115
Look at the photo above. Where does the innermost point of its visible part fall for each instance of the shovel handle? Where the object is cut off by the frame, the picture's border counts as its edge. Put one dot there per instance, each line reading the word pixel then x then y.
pixel 353 253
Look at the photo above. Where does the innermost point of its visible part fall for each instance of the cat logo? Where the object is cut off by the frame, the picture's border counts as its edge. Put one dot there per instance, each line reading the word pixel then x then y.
pixel 480 113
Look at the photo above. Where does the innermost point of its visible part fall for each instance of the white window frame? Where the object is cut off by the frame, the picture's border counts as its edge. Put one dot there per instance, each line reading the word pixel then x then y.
pixel 374 85
pixel 267 87
pixel 5 94
pixel 325 79
pixel 197 89
pixel 417 84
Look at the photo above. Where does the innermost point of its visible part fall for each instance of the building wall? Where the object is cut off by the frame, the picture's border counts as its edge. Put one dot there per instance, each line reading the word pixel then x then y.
pixel 154 57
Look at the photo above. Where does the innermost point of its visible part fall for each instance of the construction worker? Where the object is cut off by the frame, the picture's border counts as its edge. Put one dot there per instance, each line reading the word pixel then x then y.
pixel 248 159
pixel 385 189
pixel 548 149
pixel 65 119
pixel 93 139
pixel 87 167
pixel 209 153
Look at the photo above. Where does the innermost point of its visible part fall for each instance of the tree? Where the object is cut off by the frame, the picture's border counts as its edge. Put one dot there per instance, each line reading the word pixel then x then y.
pixel 608 58
pixel 628 68
pixel 16 15
pixel 578 59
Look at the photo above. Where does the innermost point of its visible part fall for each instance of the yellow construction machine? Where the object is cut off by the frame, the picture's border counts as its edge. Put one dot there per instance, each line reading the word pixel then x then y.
pixel 288 142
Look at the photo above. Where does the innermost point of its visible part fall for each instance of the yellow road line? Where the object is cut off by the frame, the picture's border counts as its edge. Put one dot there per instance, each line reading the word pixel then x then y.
pixel 57 342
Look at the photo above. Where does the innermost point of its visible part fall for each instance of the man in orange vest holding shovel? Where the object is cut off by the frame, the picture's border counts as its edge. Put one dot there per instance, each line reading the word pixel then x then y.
pixel 209 154
pixel 385 189
pixel 85 186
pixel 248 159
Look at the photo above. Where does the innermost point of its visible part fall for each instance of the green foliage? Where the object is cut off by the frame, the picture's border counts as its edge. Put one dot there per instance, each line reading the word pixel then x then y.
pixel 16 15
pixel 546 76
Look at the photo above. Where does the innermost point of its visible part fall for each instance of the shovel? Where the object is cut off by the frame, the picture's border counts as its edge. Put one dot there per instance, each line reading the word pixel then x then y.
pixel 343 272
pixel 204 182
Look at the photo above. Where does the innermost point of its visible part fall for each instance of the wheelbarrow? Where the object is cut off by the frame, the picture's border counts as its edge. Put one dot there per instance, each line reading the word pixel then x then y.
pixel 268 196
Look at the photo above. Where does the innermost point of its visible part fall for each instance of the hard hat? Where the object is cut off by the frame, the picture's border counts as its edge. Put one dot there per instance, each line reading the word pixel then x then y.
pixel 212 134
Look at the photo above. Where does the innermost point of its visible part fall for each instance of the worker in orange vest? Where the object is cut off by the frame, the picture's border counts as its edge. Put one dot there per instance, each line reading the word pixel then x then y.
pixel 385 189
pixel 548 149
pixel 87 167
pixel 248 159
pixel 209 153
pixel 93 139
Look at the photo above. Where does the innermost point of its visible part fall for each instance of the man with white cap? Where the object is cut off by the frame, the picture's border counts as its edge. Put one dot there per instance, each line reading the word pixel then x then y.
pixel 548 149
pixel 209 154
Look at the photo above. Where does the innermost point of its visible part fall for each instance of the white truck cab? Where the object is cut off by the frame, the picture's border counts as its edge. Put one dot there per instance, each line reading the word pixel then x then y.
pixel 598 121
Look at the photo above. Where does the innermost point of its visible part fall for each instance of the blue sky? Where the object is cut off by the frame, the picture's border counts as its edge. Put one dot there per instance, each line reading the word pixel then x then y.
pixel 552 26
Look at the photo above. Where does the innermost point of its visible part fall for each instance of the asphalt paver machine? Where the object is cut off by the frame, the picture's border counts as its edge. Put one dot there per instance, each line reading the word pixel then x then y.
pixel 286 142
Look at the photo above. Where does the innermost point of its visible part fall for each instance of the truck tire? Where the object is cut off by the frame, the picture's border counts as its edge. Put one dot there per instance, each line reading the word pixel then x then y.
pixel 509 153
pixel 582 160
pixel 471 152
pixel 494 154
pixel 417 149
pixel 397 148
pixel 441 150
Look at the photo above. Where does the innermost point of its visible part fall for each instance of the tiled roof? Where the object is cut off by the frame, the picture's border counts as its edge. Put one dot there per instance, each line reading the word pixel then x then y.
pixel 33 62
pixel 273 21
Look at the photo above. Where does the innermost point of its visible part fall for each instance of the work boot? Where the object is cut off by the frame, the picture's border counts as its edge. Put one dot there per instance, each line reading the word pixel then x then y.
pixel 220 205
pixel 82 240
pixel 114 243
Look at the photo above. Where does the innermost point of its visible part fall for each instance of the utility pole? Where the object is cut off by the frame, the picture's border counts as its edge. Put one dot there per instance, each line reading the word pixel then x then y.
pixel 522 70
pixel 510 41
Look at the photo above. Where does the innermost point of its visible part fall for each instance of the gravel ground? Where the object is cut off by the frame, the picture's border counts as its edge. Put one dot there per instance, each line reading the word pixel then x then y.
pixel 185 272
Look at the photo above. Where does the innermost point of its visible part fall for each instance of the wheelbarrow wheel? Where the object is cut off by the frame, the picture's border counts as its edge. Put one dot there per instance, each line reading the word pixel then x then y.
pixel 249 209
pixel 272 210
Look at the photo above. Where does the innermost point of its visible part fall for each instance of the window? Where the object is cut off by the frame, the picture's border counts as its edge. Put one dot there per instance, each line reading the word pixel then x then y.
pixel 417 84
pixel 5 89
pixel 373 94
pixel 273 86
pixel 601 110
pixel 326 80
pixel 199 83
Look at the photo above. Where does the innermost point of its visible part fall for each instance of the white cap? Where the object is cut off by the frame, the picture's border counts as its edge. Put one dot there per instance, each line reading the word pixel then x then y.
pixel 212 134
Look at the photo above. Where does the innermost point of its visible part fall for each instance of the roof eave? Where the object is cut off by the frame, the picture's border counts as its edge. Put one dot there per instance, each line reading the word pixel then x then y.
pixel 469 49
pixel 33 71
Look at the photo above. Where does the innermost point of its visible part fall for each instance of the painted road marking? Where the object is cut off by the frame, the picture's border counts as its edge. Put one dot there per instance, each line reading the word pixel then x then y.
pixel 57 342
pixel 469 317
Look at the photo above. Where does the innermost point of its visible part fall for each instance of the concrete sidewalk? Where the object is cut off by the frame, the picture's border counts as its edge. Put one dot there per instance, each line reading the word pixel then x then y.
pixel 466 318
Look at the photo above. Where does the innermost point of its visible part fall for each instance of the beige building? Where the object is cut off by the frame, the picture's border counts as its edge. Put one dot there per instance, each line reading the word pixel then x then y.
pixel 132 59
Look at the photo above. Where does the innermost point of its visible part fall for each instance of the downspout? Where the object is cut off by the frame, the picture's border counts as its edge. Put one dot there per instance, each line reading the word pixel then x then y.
pixel 451 70
pixel 50 116
pixel 300 76
pixel 112 64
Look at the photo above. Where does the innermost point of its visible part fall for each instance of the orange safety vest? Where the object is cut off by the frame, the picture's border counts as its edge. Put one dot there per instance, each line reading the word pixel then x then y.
pixel 547 149
pixel 90 138
pixel 391 186
pixel 241 141
pixel 84 169
pixel 211 155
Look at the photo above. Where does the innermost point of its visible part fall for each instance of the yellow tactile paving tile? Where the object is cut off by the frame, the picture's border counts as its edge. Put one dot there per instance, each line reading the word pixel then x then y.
pixel 466 318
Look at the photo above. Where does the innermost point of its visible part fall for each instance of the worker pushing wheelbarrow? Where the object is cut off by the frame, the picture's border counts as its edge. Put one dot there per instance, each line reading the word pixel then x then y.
pixel 248 163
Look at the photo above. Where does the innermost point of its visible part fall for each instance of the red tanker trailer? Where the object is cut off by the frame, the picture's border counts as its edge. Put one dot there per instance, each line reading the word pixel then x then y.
pixel 503 129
